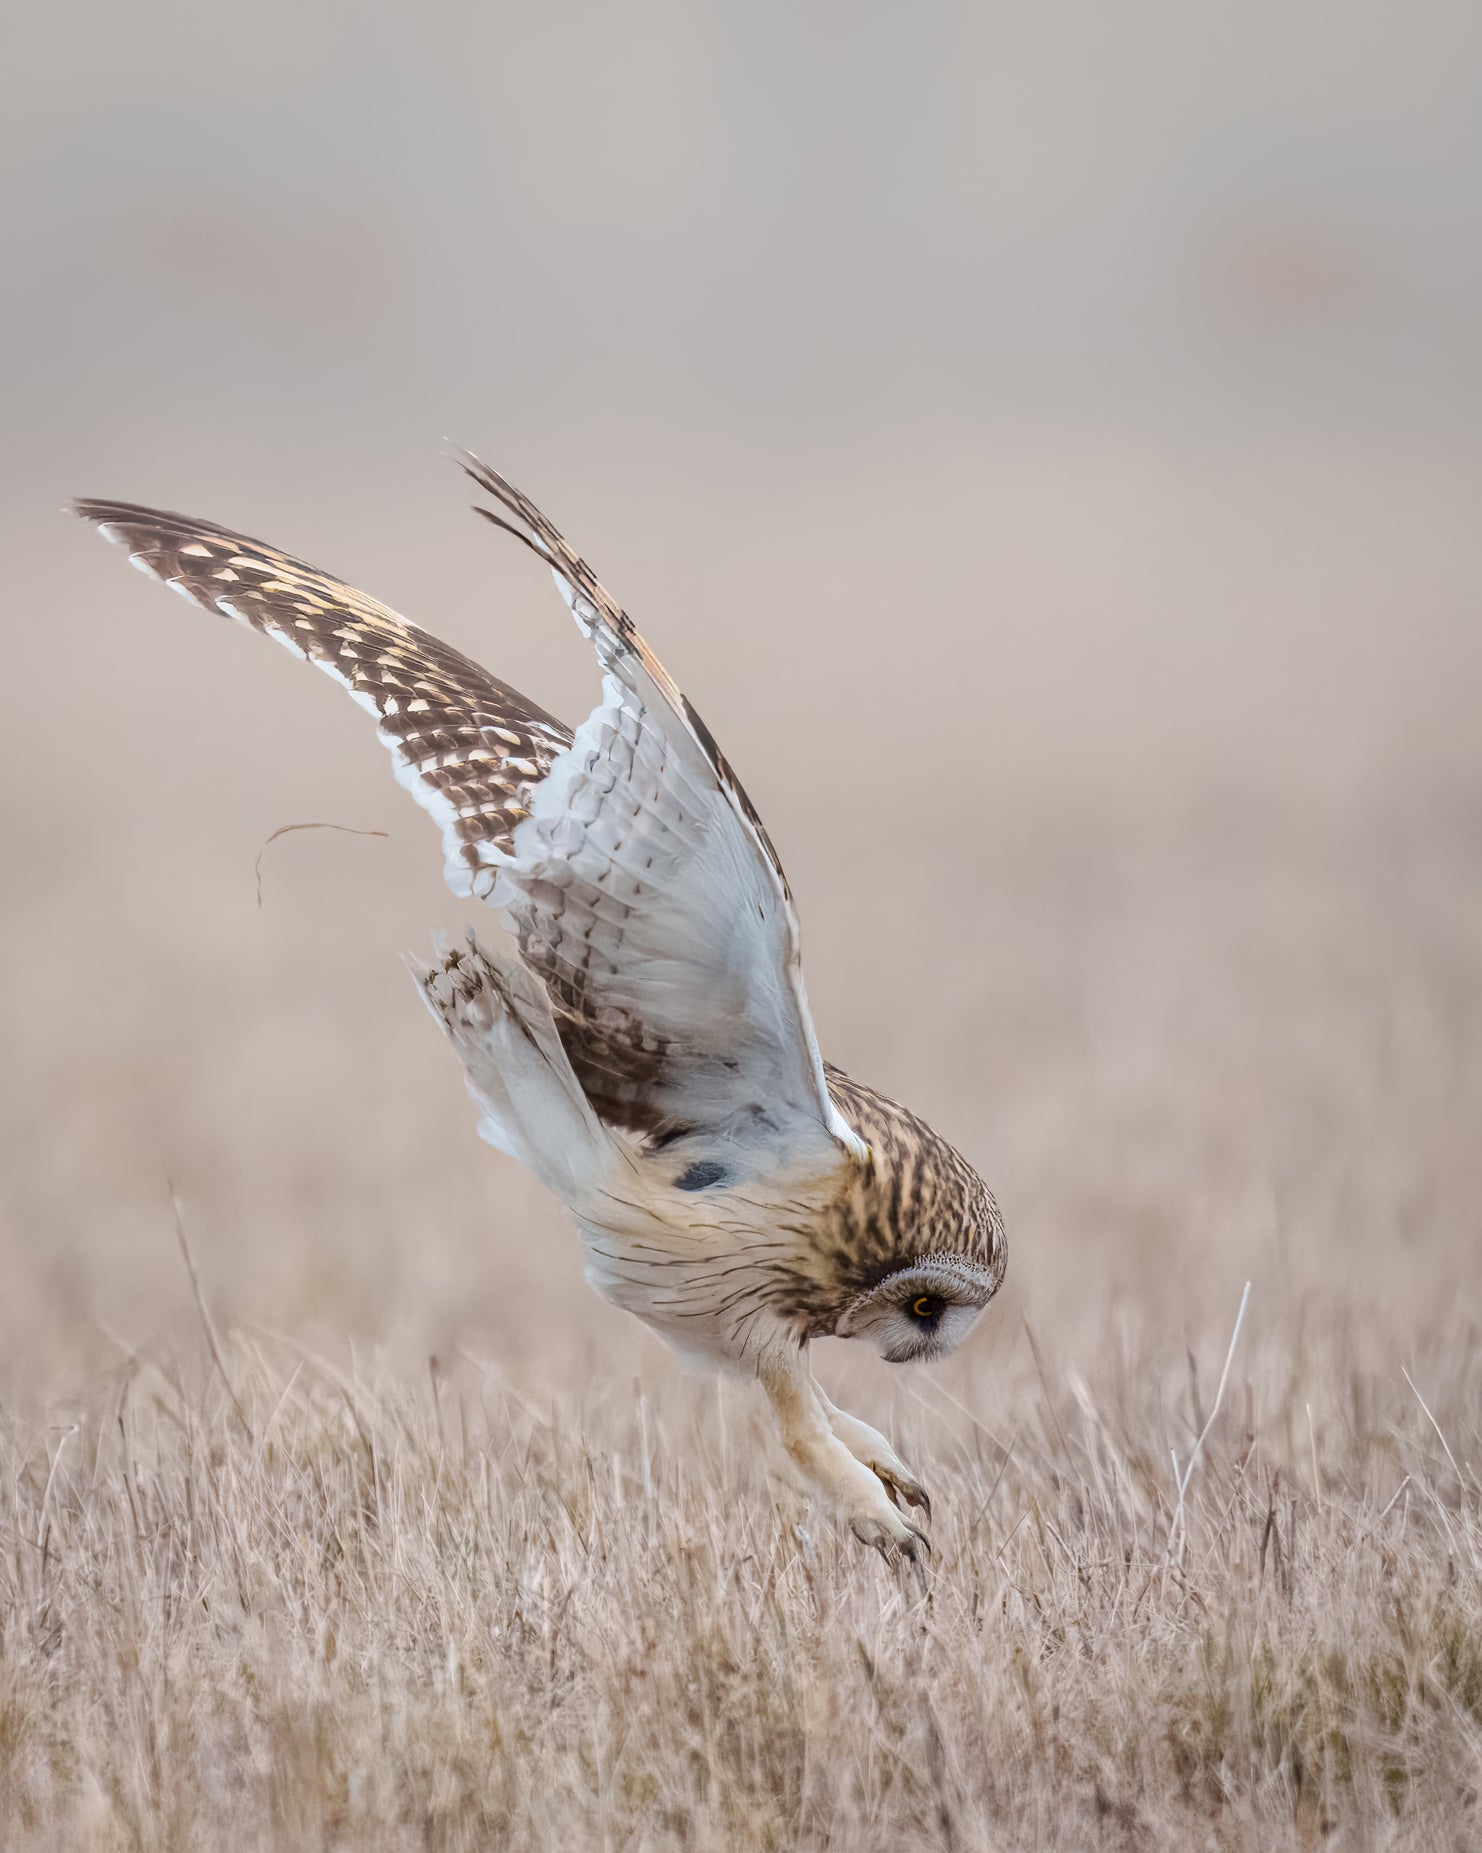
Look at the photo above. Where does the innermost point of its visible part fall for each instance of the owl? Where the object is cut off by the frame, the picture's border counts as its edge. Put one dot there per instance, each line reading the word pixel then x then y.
pixel 645 1048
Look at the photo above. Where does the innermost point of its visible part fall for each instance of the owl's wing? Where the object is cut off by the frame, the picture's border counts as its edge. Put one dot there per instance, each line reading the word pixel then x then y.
pixel 639 880
pixel 647 895
pixel 468 748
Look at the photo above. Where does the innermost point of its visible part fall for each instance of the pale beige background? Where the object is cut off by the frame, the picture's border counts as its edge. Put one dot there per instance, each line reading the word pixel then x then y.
pixel 1045 442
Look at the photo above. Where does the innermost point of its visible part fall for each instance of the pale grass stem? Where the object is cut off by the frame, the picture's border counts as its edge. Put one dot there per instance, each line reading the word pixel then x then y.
pixel 1178 1530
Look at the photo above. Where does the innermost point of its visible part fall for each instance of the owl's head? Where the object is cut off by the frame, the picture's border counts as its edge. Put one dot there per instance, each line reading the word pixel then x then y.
pixel 921 1310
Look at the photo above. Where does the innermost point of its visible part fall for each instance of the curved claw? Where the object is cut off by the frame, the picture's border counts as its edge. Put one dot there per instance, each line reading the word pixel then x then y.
pixel 901 1488
pixel 903 1542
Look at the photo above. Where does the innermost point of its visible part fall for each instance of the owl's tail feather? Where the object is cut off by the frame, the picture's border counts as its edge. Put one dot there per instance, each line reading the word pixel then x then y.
pixel 499 1020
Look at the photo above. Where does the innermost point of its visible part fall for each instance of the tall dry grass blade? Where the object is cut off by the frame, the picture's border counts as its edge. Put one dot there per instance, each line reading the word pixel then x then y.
pixel 207 1322
pixel 1461 1480
pixel 1178 1529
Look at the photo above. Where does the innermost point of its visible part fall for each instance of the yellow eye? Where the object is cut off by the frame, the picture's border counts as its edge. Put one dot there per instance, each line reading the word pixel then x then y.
pixel 924 1307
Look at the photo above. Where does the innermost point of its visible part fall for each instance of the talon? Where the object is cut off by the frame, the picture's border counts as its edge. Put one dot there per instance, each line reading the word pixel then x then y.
pixel 906 1544
pixel 915 1495
pixel 899 1486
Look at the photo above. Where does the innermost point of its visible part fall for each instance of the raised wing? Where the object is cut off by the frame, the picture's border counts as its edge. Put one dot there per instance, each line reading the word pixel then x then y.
pixel 468 748
pixel 647 894
pixel 640 883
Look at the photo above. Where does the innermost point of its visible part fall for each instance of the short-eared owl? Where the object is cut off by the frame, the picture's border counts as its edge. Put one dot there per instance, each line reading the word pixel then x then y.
pixel 650 1055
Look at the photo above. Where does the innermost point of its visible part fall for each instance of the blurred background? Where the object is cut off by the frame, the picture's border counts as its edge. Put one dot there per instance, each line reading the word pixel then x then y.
pixel 1046 443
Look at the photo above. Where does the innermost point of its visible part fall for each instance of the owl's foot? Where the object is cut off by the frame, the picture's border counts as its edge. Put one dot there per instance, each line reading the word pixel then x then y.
pixel 898 1542
pixel 895 1538
pixel 870 1448
pixel 847 1461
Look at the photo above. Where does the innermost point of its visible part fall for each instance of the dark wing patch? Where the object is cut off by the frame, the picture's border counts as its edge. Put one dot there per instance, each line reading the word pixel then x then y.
pixel 702 1175
pixel 468 747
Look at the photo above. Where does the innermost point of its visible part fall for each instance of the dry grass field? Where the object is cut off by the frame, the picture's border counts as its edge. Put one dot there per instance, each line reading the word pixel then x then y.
pixel 368 1612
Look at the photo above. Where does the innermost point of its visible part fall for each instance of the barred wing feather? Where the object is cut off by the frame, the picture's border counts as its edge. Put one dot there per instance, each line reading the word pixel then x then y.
pixel 468 748
pixel 642 887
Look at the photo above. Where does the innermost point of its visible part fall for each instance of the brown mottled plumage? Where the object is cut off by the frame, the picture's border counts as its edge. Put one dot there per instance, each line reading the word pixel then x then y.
pixel 651 1057
pixel 914 1196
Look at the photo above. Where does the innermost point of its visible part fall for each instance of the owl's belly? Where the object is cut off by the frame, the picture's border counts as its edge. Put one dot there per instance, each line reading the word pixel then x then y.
pixel 699 1290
